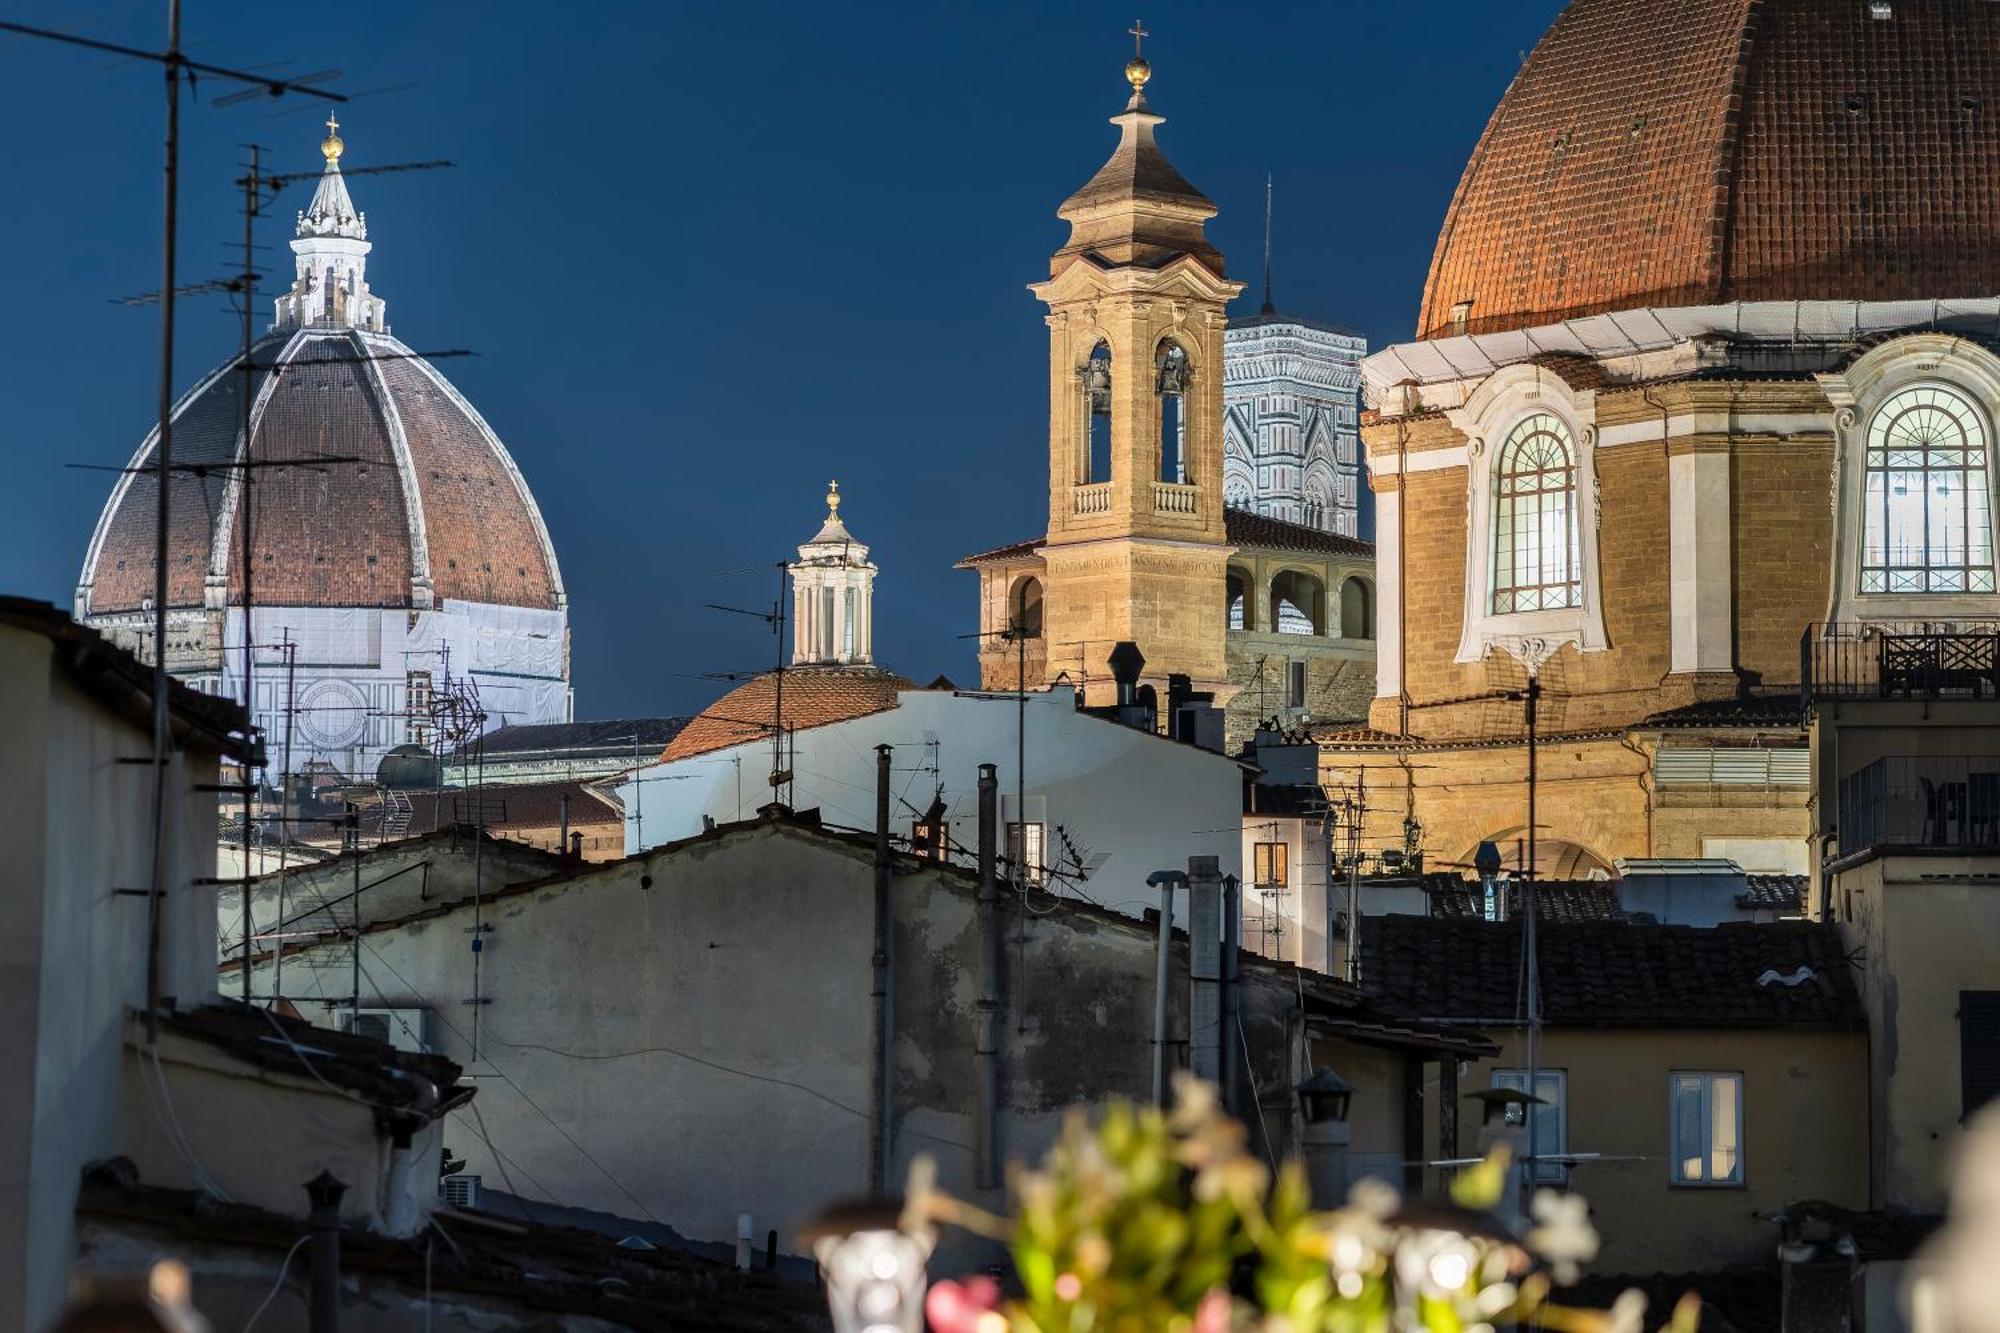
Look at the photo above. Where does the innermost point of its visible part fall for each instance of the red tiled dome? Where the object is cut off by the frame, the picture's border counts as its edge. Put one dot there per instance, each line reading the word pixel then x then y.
pixel 1708 151
pixel 813 697
pixel 433 501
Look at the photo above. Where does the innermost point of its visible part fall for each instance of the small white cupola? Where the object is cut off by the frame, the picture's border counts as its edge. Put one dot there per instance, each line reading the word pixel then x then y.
pixel 833 596
pixel 331 247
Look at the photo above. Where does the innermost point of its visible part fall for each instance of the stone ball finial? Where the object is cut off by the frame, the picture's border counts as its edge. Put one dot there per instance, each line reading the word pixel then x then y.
pixel 1137 72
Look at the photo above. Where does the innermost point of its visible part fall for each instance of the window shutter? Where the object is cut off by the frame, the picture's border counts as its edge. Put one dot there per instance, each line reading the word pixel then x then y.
pixel 1978 1049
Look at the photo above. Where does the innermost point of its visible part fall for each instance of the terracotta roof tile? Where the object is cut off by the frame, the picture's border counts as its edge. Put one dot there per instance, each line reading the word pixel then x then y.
pixel 1722 150
pixel 813 697
pixel 1614 974
pixel 1275 534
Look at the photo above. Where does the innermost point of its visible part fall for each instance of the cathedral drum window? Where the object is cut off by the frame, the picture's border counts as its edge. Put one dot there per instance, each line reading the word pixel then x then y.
pixel 1535 556
pixel 1927 504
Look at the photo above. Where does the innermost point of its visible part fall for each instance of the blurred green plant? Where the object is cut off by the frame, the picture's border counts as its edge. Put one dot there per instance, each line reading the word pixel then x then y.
pixel 1154 1222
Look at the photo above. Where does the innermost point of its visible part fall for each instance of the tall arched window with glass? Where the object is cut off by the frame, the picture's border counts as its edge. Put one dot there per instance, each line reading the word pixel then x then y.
pixel 1535 562
pixel 1171 370
pixel 1927 523
pixel 1096 380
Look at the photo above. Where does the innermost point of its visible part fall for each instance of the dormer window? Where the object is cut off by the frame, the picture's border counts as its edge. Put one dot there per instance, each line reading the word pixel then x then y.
pixel 1927 516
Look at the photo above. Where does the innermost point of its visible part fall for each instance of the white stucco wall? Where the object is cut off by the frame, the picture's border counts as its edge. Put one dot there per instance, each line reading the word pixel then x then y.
pixel 1141 802
pixel 77 827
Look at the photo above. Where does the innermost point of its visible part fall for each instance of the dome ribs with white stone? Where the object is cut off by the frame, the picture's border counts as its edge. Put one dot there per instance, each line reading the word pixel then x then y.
pixel 1710 151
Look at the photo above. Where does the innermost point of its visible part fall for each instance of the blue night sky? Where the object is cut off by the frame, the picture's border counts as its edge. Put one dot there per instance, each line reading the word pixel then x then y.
pixel 710 256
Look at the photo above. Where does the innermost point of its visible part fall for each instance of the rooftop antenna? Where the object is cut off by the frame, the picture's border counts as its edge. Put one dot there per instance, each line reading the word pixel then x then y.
pixel 1268 309
pixel 175 63
pixel 780 776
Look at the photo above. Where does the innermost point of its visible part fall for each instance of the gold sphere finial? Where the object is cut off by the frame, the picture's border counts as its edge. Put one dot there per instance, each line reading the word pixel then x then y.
pixel 1137 71
pixel 833 499
pixel 332 147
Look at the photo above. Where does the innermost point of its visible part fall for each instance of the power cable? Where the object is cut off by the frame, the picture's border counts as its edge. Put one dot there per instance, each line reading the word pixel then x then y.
pixel 283 1268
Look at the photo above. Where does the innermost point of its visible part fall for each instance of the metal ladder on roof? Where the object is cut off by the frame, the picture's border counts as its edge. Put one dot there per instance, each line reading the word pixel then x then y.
pixel 396 815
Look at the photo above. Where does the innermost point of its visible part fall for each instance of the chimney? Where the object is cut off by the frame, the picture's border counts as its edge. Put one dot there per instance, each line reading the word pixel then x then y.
pixel 323 1224
pixel 1126 664
pixel 1205 967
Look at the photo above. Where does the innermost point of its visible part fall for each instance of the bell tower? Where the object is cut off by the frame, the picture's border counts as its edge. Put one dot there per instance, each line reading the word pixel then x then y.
pixel 1136 548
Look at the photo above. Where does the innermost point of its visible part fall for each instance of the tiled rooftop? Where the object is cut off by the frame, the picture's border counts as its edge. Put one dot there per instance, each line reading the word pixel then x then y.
pixel 813 697
pixel 1614 974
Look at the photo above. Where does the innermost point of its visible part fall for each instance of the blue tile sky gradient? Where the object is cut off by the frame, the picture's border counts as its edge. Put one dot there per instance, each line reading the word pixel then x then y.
pixel 710 256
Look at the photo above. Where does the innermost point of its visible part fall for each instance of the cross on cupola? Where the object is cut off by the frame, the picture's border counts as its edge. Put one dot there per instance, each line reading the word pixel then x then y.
pixel 331 248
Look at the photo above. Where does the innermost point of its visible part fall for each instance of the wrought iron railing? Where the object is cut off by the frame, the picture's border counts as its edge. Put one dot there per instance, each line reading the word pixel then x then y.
pixel 1927 801
pixel 1900 659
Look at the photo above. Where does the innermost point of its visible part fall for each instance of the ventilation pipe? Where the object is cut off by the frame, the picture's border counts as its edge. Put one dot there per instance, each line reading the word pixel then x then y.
pixel 1204 967
pixel 1165 881
pixel 885 1009
pixel 323 1225
pixel 987 1049
pixel 1232 995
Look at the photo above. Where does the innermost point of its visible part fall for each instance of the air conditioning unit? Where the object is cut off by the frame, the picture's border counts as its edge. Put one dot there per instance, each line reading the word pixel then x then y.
pixel 459 1191
pixel 403 1029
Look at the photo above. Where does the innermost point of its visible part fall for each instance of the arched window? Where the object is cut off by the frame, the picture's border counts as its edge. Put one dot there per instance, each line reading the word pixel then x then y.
pixel 1927 521
pixel 1355 612
pixel 1298 604
pixel 1171 383
pixel 1535 561
pixel 1024 607
pixel 1096 375
pixel 1237 601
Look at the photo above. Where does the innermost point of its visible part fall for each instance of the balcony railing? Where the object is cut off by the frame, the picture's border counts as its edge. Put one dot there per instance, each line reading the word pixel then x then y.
pixel 1929 801
pixel 1094 498
pixel 1173 498
pixel 1900 659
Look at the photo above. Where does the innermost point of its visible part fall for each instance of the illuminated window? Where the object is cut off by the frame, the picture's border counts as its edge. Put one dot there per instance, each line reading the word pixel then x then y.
pixel 1034 871
pixel 1535 561
pixel 1269 866
pixel 931 841
pixel 1927 507
pixel 1707 1126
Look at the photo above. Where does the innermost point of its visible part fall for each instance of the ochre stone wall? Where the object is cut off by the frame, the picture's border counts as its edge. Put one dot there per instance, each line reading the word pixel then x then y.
pixel 1783 522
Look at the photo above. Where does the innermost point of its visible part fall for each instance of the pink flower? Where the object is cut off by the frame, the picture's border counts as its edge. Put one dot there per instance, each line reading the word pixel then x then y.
pixel 1213 1314
pixel 957 1307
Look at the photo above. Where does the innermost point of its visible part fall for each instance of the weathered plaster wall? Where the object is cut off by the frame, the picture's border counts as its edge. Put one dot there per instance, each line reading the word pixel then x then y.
pixel 77 825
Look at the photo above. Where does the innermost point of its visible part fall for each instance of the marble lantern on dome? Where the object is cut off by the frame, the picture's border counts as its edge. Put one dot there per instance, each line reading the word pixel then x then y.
pixel 833 596
pixel 414 550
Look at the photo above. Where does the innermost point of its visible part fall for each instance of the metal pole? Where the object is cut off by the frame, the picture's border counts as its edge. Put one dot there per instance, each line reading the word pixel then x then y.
pixel 163 520
pixel 1021 820
pixel 885 1014
pixel 1534 981
pixel 987 1155
pixel 1326 829
pixel 354 823
pixel 1359 810
pixel 285 812
pixel 245 476
pixel 1166 880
